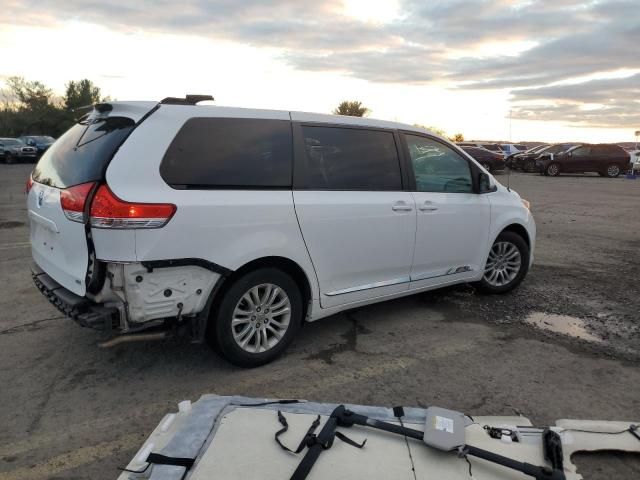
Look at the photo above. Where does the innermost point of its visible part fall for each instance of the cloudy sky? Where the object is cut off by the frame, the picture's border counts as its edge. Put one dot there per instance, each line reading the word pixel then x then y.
pixel 561 69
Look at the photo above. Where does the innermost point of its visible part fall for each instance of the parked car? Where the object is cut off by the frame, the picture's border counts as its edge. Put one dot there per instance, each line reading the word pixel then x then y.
pixel 238 225
pixel 512 149
pixel 492 147
pixel 13 149
pixel 40 142
pixel 605 159
pixel 518 160
pixel 528 163
pixel 491 161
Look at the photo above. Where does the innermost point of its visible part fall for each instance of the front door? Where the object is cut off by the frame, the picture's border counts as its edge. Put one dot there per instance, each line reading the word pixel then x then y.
pixel 453 222
pixel 357 222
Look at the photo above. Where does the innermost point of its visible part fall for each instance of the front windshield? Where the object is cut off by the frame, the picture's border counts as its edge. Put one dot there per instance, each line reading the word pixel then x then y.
pixel 43 139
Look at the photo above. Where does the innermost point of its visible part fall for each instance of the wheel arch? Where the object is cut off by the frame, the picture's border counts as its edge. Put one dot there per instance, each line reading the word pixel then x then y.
pixel 518 229
pixel 281 263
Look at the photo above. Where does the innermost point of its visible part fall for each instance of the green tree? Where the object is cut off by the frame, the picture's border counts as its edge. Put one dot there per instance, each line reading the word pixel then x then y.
pixel 352 109
pixel 33 95
pixel 81 93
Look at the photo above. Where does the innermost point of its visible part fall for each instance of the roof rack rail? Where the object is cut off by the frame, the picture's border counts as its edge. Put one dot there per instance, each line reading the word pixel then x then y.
pixel 187 100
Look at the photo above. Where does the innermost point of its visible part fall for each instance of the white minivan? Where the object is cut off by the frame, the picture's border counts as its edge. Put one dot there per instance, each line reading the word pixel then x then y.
pixel 238 225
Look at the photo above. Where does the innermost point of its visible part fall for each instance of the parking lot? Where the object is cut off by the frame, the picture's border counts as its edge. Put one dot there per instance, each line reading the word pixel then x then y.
pixel 71 409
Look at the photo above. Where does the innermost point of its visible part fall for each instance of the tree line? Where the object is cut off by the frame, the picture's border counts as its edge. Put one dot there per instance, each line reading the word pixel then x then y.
pixel 31 108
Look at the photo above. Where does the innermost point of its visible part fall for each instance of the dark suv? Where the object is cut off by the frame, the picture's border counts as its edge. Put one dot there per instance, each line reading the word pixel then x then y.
pixel 605 159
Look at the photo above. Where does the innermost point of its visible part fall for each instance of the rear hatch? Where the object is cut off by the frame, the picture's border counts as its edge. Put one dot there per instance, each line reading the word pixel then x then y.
pixel 64 180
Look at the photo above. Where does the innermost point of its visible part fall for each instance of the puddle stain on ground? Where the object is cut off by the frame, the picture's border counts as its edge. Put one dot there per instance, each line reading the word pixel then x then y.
pixel 564 324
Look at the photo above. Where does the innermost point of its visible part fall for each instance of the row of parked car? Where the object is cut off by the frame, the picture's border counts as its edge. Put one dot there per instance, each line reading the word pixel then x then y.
pixel 608 160
pixel 24 148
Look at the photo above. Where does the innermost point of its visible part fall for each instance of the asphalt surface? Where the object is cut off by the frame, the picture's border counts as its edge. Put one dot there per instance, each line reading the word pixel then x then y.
pixel 69 409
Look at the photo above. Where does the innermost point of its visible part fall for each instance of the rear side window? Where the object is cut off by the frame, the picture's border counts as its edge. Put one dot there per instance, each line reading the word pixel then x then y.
pixel 82 154
pixel 349 159
pixel 230 153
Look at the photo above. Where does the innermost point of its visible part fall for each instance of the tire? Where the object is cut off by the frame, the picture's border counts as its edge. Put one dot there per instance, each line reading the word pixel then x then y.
pixel 486 166
pixel 505 282
pixel 613 170
pixel 257 327
pixel 9 159
pixel 552 170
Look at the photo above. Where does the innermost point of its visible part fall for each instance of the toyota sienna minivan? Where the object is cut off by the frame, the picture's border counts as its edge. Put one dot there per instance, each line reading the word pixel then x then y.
pixel 240 225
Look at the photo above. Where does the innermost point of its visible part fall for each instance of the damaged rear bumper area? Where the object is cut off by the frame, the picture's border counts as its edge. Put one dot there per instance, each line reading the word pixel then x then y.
pixel 82 310
pixel 134 297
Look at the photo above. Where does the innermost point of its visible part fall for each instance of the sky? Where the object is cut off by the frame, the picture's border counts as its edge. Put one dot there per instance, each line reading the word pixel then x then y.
pixel 560 70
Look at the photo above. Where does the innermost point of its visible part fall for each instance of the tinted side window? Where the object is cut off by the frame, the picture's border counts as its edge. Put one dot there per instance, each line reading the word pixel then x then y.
pixel 581 151
pixel 350 159
pixel 437 167
pixel 230 153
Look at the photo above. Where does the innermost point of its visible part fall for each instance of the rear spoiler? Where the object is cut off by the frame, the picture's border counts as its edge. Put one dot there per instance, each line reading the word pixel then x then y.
pixel 187 100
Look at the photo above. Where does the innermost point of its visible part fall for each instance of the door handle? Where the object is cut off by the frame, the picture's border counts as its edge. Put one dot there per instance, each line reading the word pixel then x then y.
pixel 401 207
pixel 428 207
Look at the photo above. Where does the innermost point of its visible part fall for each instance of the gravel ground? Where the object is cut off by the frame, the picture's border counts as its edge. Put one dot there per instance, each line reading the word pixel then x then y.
pixel 70 409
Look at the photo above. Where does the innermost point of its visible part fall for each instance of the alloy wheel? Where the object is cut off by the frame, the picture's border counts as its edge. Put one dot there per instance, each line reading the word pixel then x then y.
pixel 613 170
pixel 261 318
pixel 553 169
pixel 503 264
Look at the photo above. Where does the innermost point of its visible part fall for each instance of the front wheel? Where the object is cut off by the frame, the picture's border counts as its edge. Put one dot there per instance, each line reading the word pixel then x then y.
pixel 613 170
pixel 257 318
pixel 9 159
pixel 507 264
pixel 552 170
pixel 486 166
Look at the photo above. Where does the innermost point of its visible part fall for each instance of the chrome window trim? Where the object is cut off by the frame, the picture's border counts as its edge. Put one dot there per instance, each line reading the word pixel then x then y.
pixel 384 283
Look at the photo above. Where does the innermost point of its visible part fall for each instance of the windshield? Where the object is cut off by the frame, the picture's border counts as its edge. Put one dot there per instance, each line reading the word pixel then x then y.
pixel 43 139
pixel 82 154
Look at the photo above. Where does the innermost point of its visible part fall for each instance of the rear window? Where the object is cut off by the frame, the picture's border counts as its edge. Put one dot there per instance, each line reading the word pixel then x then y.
pixel 82 154
pixel 349 159
pixel 230 153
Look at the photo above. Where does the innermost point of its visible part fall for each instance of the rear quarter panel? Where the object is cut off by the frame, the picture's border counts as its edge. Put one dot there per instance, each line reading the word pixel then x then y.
pixel 226 227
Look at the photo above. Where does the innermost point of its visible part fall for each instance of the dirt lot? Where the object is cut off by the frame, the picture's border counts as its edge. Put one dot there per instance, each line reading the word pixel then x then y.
pixel 69 409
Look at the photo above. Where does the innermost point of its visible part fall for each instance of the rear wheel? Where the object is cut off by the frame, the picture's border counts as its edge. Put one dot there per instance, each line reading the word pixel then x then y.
pixel 613 170
pixel 507 264
pixel 257 318
pixel 552 170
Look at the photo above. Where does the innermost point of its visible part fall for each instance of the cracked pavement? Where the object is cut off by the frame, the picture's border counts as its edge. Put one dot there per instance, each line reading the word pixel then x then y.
pixel 70 409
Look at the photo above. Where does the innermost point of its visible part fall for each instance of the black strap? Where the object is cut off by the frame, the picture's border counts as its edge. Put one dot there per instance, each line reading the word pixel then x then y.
pixel 633 430
pixel 159 459
pixel 308 438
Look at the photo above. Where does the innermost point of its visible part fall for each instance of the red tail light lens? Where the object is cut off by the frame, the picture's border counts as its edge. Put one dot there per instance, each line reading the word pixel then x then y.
pixel 74 199
pixel 108 211
pixel 27 188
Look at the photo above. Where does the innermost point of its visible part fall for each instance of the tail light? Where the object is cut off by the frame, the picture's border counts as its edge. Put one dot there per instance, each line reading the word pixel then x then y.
pixel 74 200
pixel 108 211
pixel 29 184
